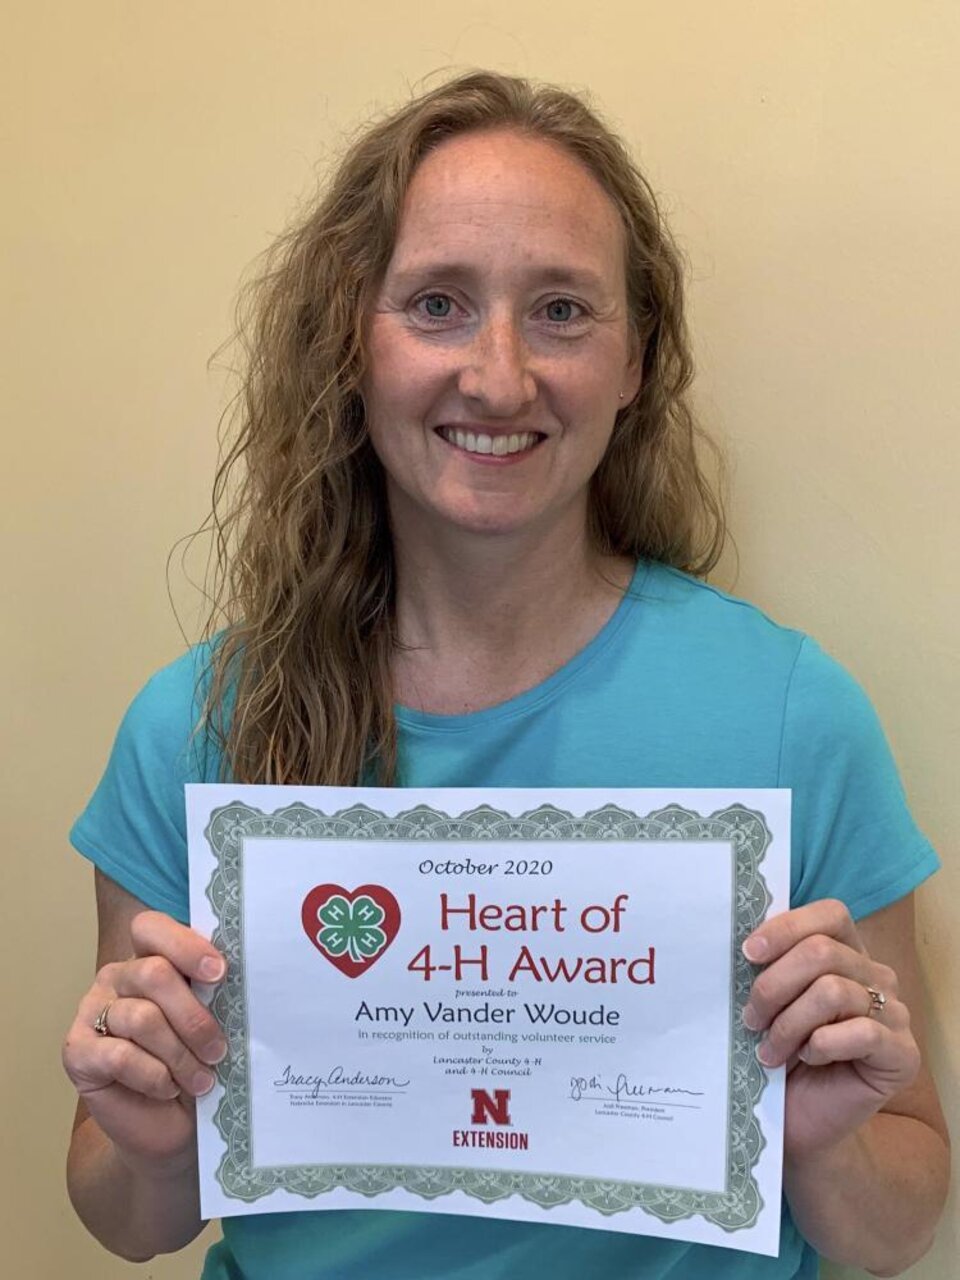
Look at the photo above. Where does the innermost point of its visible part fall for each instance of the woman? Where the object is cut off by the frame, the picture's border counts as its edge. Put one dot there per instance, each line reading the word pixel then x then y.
pixel 471 491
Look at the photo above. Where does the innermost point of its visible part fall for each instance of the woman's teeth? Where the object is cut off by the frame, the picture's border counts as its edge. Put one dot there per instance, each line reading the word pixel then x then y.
pixel 477 442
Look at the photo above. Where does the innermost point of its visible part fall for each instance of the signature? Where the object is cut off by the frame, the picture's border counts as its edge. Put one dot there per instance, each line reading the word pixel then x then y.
pixel 593 1088
pixel 338 1077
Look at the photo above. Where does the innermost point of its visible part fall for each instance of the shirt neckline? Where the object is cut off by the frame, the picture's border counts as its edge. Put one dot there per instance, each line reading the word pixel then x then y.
pixel 521 703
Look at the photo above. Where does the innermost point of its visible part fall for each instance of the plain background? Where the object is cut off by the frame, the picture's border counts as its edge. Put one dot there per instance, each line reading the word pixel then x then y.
pixel 805 153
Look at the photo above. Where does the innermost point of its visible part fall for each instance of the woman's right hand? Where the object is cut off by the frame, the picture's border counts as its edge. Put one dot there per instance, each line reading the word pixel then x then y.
pixel 140 1079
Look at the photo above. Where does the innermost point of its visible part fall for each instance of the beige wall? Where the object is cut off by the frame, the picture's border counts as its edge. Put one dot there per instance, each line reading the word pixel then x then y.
pixel 806 150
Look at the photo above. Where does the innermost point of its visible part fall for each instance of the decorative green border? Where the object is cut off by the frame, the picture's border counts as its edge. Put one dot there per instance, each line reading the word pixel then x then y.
pixel 733 1210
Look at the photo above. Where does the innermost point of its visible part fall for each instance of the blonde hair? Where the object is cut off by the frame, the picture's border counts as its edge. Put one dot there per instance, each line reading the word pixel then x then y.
pixel 300 687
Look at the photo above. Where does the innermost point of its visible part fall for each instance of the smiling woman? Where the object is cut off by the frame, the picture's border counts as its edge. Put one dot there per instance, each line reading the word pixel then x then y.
pixel 487 263
pixel 462 529
pixel 490 395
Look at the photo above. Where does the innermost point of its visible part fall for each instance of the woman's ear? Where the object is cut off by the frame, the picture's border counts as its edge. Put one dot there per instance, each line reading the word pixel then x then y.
pixel 633 374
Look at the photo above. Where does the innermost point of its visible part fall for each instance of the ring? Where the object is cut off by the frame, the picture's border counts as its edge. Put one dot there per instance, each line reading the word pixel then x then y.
pixel 878 1002
pixel 100 1025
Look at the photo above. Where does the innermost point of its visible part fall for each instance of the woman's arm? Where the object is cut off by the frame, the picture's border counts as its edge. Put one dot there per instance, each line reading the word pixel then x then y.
pixel 866 1161
pixel 132 1166
pixel 133 1211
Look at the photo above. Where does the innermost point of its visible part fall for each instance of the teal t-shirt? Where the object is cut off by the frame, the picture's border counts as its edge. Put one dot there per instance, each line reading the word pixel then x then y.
pixel 684 687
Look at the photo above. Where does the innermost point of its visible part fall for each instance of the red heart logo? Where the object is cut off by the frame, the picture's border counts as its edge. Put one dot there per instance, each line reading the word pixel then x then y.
pixel 350 928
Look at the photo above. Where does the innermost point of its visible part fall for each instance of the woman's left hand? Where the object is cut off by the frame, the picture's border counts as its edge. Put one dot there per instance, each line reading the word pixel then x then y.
pixel 847 1051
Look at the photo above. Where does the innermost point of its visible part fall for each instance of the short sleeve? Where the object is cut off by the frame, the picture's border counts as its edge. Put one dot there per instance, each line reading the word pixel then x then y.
pixel 134 827
pixel 854 837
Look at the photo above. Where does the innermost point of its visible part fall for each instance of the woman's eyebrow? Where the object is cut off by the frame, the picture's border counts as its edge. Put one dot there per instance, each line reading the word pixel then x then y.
pixel 574 277
pixel 549 275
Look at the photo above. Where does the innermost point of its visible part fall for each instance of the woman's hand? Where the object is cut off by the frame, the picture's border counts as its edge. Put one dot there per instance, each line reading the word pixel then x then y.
pixel 847 1051
pixel 138 1076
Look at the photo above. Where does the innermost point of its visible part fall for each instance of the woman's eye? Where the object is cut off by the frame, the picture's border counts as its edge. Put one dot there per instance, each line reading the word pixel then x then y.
pixel 562 311
pixel 435 306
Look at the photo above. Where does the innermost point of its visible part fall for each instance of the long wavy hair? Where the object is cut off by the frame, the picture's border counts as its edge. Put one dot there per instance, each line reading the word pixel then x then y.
pixel 302 619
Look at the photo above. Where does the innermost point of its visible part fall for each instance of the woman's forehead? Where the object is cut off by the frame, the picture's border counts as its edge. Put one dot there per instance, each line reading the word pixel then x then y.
pixel 503 188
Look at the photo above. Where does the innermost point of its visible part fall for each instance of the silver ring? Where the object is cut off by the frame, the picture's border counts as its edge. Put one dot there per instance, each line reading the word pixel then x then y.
pixel 878 1002
pixel 101 1026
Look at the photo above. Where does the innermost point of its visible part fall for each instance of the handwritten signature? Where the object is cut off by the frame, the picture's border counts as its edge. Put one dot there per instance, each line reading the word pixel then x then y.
pixel 338 1077
pixel 593 1086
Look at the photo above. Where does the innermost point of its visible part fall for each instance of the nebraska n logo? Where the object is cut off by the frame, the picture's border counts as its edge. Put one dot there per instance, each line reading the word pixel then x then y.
pixel 495 1108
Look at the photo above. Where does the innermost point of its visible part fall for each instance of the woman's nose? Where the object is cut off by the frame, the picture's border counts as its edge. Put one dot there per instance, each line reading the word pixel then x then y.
pixel 496 372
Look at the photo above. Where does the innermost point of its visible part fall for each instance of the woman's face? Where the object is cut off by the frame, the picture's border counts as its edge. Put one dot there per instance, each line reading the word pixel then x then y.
pixel 498 346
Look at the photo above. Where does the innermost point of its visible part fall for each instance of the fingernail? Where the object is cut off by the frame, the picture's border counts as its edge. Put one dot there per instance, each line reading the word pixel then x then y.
pixel 755 949
pixel 750 1019
pixel 202 1083
pixel 214 1052
pixel 766 1054
pixel 211 968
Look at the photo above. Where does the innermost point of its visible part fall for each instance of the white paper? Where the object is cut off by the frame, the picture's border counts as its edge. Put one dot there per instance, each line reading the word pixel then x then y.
pixel 576 1053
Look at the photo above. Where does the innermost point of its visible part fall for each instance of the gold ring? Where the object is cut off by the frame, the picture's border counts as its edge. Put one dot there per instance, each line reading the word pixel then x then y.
pixel 878 1002
pixel 100 1026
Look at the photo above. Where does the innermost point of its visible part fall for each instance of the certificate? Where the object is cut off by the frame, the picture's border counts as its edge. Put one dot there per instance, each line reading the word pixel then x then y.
pixel 513 1003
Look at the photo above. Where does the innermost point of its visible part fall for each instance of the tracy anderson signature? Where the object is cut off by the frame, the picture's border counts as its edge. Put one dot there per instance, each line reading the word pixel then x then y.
pixel 593 1089
pixel 338 1077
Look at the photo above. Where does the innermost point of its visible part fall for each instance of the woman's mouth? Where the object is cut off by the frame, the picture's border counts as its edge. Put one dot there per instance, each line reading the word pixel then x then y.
pixel 498 446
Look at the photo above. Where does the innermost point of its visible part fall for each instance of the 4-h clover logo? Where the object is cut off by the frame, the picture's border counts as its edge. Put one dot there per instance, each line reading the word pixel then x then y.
pixel 351 929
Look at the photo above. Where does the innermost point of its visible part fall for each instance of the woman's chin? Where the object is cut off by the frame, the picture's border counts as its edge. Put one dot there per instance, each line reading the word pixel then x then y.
pixel 489 519
pixel 456 511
